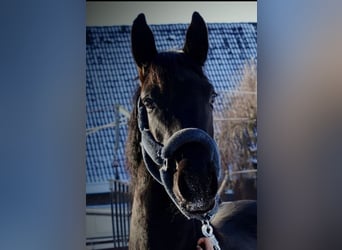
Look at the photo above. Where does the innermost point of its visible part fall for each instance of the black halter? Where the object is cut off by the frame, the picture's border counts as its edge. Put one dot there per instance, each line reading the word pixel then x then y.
pixel 156 155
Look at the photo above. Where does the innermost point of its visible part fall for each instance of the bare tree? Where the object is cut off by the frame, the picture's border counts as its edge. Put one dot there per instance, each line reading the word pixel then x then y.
pixel 238 136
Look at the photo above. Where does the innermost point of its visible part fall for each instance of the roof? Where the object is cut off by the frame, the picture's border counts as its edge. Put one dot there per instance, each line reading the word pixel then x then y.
pixel 111 79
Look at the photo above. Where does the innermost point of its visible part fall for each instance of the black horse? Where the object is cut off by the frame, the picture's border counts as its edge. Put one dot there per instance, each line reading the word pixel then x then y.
pixel 173 160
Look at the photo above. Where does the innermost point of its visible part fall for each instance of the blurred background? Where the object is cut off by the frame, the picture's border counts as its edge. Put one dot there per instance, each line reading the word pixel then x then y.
pixel 43 123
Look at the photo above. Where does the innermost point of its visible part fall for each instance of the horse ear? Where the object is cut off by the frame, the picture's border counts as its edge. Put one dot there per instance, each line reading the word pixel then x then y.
pixel 196 43
pixel 142 41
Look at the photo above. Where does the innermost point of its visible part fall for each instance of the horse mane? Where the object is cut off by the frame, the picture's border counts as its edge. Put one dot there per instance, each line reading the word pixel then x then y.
pixel 133 149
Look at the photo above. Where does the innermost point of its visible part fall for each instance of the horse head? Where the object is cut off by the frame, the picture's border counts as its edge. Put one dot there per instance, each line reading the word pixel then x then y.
pixel 174 107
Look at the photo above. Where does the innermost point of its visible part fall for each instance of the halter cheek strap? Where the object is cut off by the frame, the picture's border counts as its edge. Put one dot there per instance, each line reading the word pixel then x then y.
pixel 151 149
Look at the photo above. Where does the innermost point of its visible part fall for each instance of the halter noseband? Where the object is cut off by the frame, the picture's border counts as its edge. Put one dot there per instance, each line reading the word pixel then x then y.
pixel 156 155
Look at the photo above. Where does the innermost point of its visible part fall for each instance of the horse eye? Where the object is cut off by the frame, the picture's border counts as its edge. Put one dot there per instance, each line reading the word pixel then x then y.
pixel 149 103
pixel 212 98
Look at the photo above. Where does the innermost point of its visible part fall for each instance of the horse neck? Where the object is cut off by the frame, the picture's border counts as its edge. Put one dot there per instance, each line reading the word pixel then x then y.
pixel 156 223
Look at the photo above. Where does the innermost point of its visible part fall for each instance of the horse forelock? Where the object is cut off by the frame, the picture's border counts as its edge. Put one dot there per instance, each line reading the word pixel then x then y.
pixel 171 63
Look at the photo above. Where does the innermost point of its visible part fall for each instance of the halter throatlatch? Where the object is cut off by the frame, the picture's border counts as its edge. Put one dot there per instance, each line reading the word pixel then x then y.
pixel 156 156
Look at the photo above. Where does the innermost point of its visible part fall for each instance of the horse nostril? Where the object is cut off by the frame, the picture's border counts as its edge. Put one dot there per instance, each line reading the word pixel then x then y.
pixel 184 186
pixel 213 181
pixel 196 182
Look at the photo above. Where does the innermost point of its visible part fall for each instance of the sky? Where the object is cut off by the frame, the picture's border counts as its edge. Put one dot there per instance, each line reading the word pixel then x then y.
pixel 123 13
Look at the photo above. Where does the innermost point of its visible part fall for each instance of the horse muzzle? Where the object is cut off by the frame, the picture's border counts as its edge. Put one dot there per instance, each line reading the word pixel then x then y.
pixel 191 183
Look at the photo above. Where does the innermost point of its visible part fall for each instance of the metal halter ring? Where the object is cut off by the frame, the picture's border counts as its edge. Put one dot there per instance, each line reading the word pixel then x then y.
pixel 207 229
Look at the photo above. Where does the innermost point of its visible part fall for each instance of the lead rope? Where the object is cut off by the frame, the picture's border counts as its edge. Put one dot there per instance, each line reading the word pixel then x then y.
pixel 207 231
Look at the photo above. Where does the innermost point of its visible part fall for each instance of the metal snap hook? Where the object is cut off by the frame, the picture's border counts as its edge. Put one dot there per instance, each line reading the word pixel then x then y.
pixel 207 231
